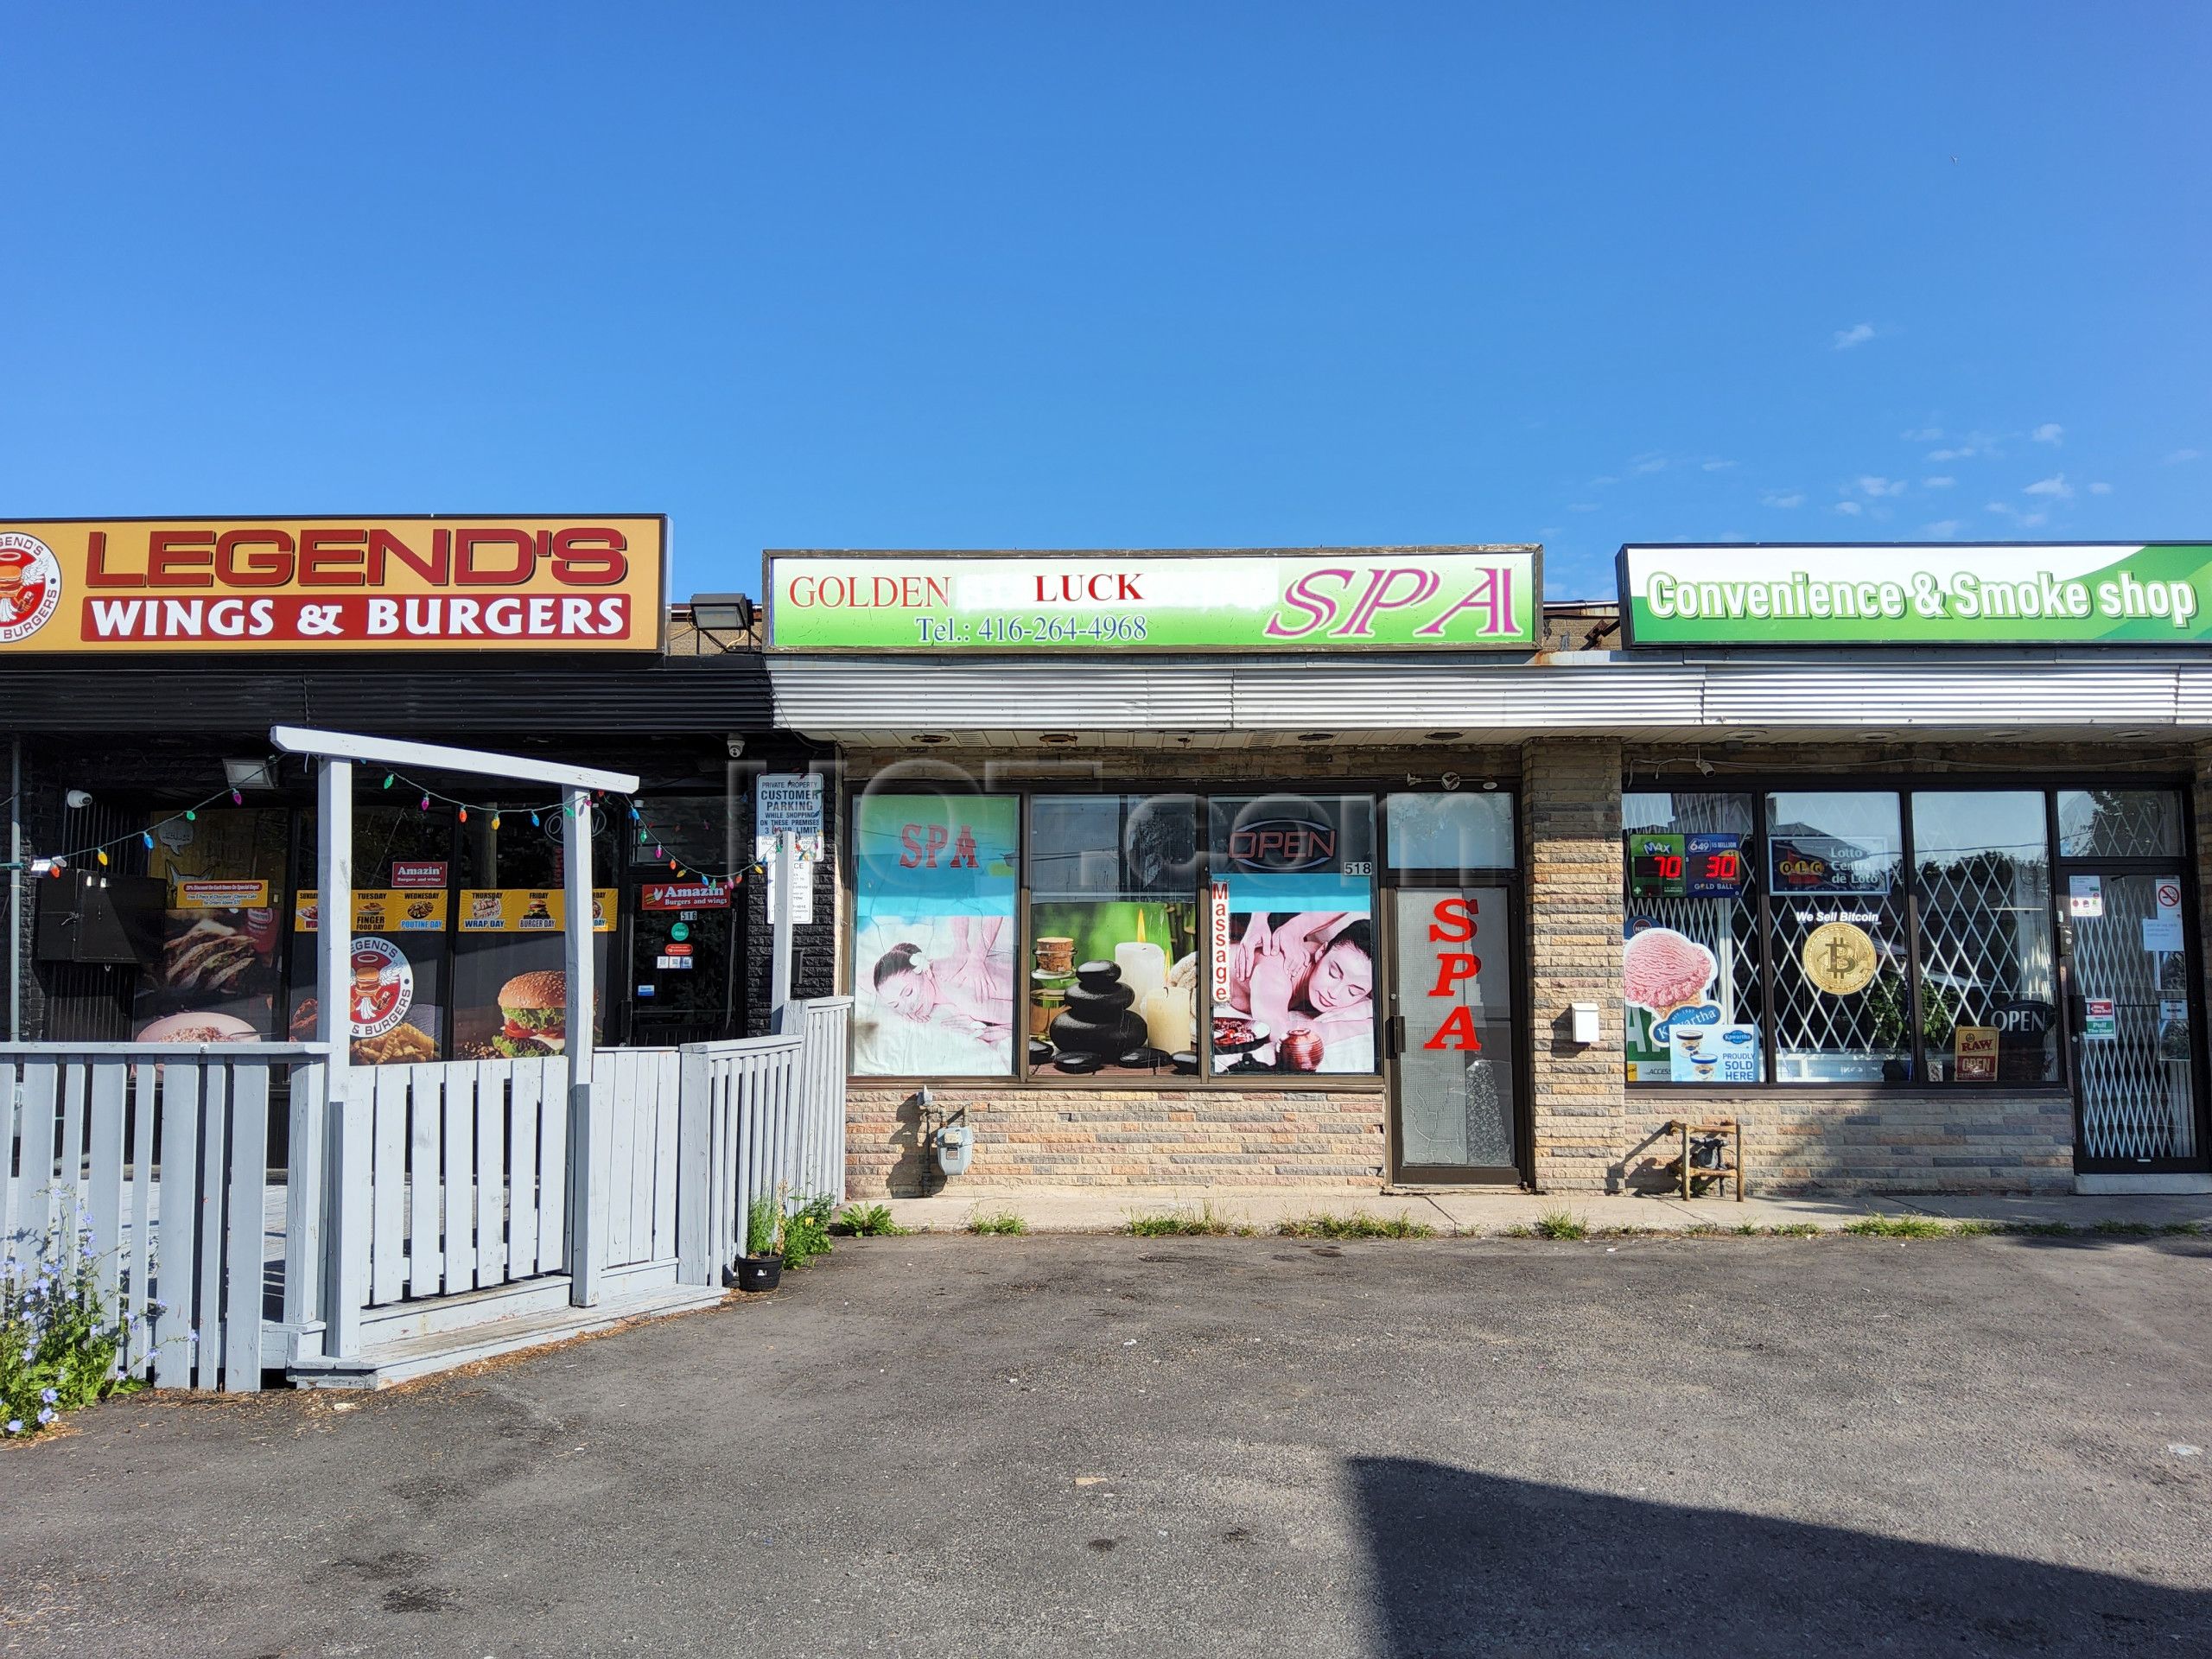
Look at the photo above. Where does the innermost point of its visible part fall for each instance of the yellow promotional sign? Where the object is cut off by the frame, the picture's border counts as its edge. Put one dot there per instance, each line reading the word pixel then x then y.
pixel 361 584
pixel 529 910
pixel 397 910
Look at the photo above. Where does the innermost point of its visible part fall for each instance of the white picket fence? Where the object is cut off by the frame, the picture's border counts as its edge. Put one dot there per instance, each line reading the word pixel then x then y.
pixel 87 1127
pixel 427 1182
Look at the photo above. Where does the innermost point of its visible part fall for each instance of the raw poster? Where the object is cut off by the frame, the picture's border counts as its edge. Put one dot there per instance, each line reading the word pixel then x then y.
pixel 933 935
pixel 789 803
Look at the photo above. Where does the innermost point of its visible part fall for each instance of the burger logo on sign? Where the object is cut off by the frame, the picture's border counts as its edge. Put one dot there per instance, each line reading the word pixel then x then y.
pixel 384 987
pixel 30 586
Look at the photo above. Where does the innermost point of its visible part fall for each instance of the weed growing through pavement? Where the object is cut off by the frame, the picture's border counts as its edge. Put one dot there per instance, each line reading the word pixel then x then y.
pixel 997 1224
pixel 1902 1227
pixel 1205 1222
pixel 1561 1224
pixel 1358 1224
pixel 870 1220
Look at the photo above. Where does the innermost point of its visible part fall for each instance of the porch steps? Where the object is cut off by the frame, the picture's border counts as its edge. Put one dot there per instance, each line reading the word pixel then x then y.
pixel 538 1323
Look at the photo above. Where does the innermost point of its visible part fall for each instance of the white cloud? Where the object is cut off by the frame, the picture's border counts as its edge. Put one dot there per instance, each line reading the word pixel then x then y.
pixel 1794 499
pixel 1882 486
pixel 1851 507
pixel 1599 483
pixel 2024 520
pixel 1858 335
pixel 2099 489
pixel 2180 456
pixel 1938 483
pixel 1941 530
pixel 2049 432
pixel 1651 461
pixel 2055 486
pixel 1966 454
pixel 1718 466
pixel 1923 435
pixel 2030 521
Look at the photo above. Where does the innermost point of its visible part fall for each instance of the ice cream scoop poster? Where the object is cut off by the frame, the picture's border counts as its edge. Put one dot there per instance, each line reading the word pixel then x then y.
pixel 933 937
pixel 1677 1032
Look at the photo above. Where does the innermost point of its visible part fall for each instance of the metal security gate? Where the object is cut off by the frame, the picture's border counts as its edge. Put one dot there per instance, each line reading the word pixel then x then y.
pixel 2131 1018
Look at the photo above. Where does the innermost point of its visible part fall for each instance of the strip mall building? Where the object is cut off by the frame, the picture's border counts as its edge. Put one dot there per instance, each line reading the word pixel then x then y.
pixel 1363 867
pixel 1351 867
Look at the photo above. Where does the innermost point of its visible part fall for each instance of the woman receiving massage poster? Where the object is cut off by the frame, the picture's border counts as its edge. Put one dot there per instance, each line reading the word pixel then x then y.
pixel 1293 945
pixel 934 939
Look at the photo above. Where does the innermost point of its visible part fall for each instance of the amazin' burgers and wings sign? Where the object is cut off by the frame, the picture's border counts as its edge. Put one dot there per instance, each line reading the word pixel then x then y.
pixel 442 583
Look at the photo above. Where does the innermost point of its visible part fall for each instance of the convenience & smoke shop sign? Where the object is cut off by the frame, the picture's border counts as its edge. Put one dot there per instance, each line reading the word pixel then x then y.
pixel 384 583
pixel 1968 595
pixel 1374 599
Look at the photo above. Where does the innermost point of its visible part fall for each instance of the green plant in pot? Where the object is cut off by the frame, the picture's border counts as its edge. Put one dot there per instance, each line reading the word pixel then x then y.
pixel 761 1267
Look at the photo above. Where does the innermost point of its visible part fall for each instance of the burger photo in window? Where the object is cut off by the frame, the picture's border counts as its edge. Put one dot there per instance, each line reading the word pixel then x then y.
pixel 533 1015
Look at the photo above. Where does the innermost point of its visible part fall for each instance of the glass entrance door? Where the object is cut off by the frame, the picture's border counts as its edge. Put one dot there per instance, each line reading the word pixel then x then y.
pixel 2129 1020
pixel 1455 1095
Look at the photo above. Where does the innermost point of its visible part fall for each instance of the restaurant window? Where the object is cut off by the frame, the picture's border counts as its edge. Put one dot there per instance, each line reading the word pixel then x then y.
pixel 398 1004
pixel 217 978
pixel 510 934
pixel 1113 985
pixel 1690 968
pixel 935 881
pixel 685 975
pixel 1291 934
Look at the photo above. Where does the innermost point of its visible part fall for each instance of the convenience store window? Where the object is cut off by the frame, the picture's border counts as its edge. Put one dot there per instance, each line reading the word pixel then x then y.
pixel 1872 936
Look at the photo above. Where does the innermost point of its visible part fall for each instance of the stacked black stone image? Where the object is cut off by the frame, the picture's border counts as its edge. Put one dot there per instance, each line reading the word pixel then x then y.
pixel 1098 1019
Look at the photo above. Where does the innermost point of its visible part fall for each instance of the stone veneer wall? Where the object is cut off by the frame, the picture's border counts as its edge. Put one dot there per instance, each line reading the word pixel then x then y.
pixel 1113 1137
pixel 1571 830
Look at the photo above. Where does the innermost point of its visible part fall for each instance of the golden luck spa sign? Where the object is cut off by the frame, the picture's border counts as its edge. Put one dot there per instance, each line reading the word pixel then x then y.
pixel 386 583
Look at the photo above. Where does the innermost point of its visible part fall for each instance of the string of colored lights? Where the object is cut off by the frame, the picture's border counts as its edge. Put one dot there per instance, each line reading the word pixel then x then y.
pixel 648 833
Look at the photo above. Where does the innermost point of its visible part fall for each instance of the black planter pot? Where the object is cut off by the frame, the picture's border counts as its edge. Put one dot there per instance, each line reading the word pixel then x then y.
pixel 760 1272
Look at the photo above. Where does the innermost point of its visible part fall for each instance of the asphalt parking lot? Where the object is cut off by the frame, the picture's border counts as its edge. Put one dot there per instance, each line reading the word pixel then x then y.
pixel 949 1446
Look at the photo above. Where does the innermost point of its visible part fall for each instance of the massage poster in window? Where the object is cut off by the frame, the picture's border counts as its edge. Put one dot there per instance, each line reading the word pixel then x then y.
pixel 934 881
pixel 1291 934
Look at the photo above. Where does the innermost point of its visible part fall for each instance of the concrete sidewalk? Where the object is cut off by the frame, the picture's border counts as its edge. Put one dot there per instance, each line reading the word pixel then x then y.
pixel 1480 1212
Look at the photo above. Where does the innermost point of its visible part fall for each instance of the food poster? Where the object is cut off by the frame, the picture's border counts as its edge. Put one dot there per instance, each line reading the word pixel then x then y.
pixel 1113 987
pixel 1674 983
pixel 529 910
pixel 511 992
pixel 933 970
pixel 218 973
pixel 396 1001
pixel 1291 967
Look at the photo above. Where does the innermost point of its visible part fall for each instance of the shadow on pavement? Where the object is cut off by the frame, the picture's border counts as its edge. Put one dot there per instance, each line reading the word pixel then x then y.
pixel 1472 1564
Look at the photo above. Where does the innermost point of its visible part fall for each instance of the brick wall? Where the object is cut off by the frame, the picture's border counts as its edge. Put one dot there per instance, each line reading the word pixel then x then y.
pixel 1571 819
pixel 1135 1138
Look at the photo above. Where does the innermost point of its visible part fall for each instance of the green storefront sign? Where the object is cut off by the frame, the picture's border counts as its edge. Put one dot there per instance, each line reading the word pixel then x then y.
pixel 1328 600
pixel 2158 593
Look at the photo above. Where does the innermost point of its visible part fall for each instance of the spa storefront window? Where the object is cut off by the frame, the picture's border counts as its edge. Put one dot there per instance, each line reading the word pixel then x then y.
pixel 1169 937
pixel 935 886
pixel 1114 934
pixel 1868 937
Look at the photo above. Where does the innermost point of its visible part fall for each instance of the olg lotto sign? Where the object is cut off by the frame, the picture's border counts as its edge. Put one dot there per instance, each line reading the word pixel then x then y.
pixel 2090 593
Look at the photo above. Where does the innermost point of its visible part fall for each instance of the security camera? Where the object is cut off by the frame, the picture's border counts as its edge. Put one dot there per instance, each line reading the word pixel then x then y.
pixel 77 797
pixel 734 744
pixel 1449 780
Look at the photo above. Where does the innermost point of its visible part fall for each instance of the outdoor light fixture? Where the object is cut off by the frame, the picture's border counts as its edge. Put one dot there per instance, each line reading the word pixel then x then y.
pixel 721 613
pixel 248 774
pixel 1056 737
pixel 1441 737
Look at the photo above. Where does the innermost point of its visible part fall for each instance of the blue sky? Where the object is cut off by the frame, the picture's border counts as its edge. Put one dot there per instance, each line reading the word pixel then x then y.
pixel 1192 274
